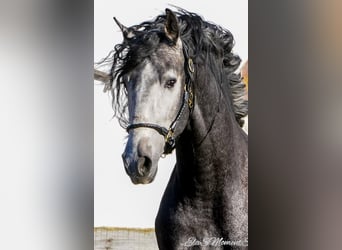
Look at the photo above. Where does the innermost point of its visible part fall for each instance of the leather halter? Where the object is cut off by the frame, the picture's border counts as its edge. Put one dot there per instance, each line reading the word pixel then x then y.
pixel 168 134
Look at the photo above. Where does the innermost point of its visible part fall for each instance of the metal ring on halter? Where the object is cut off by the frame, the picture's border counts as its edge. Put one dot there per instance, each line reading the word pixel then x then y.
pixel 191 65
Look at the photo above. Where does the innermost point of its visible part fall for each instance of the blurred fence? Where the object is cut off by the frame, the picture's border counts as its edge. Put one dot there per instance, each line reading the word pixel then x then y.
pixel 108 238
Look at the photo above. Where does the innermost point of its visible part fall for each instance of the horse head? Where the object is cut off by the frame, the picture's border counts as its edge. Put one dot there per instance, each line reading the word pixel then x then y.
pixel 155 83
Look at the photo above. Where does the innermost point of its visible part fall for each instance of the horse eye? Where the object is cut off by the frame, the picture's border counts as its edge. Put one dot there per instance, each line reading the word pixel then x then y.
pixel 170 83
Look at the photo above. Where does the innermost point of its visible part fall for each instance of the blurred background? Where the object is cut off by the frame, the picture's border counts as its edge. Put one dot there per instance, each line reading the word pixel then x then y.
pixel 46 129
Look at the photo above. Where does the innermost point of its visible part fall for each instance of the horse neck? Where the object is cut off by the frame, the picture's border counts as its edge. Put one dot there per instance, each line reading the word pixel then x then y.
pixel 212 151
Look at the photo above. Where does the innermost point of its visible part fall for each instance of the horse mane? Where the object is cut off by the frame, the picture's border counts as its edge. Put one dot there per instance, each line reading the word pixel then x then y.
pixel 201 40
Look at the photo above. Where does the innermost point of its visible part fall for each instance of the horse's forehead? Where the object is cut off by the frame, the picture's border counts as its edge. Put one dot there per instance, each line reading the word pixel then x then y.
pixel 168 57
pixel 159 68
pixel 160 59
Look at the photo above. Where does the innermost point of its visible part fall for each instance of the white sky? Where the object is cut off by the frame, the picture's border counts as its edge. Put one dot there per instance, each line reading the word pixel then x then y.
pixel 118 202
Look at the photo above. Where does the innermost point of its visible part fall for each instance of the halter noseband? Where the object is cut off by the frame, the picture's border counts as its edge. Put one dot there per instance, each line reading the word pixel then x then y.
pixel 188 99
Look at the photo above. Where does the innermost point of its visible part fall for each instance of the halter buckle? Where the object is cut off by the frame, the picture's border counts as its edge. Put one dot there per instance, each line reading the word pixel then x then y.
pixel 169 135
pixel 170 142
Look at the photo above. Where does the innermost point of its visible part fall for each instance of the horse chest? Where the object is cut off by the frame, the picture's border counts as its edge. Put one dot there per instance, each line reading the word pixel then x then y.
pixel 186 225
pixel 186 218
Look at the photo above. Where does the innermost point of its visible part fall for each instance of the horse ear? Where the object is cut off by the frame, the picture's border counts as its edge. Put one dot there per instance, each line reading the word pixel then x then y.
pixel 126 32
pixel 171 26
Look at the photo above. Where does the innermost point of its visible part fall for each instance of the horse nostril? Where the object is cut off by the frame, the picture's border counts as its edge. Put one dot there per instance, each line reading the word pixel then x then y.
pixel 144 165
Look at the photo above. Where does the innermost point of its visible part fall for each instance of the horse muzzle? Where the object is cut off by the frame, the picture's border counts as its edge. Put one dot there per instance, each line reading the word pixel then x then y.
pixel 140 166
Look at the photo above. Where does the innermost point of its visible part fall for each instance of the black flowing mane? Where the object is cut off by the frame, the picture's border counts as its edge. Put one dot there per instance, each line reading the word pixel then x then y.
pixel 200 39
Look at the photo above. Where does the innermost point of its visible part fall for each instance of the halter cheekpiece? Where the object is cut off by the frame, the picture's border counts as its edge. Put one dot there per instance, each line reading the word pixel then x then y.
pixel 188 100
